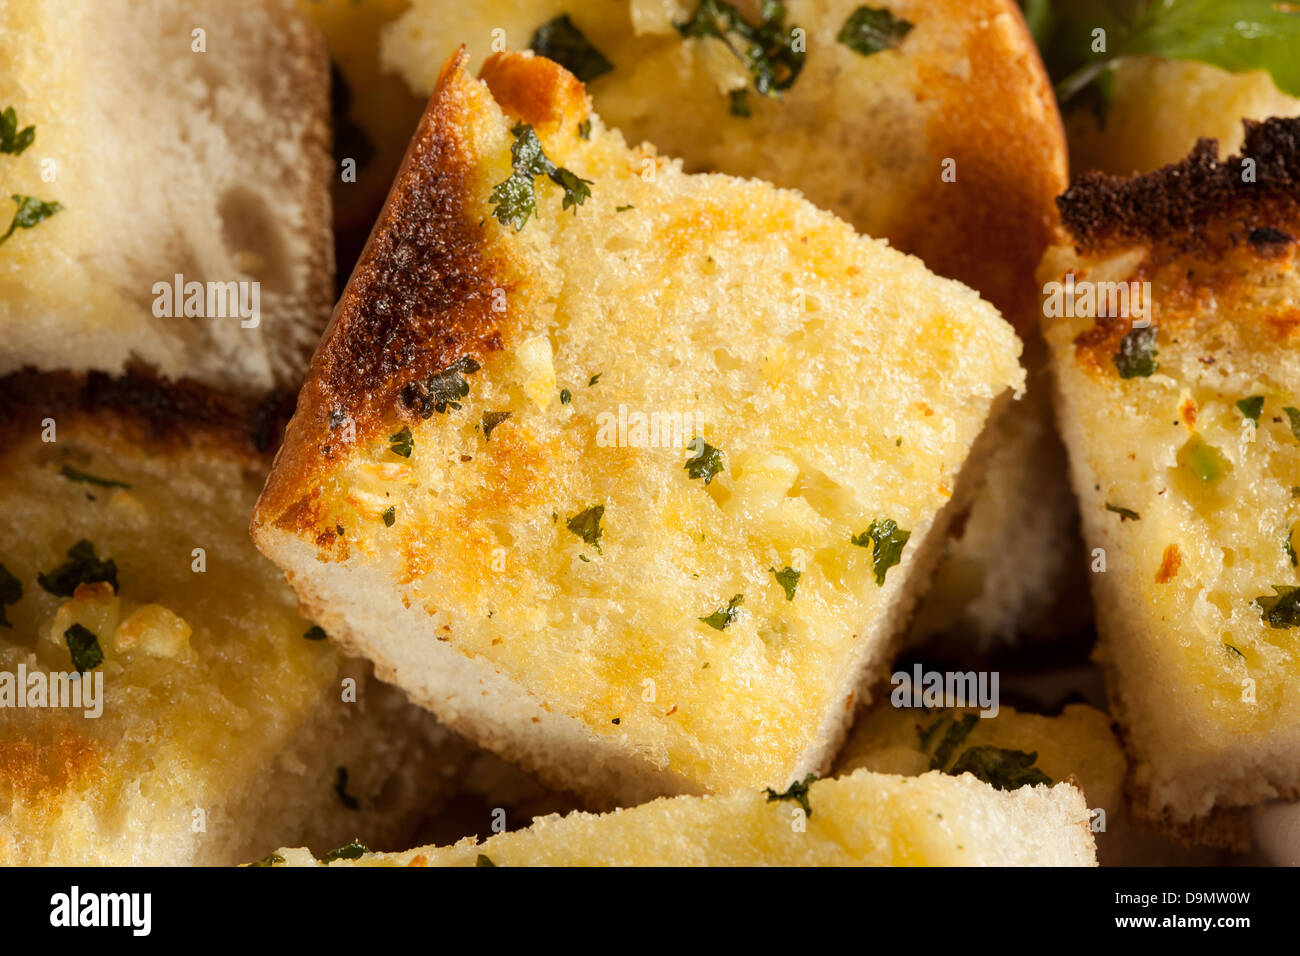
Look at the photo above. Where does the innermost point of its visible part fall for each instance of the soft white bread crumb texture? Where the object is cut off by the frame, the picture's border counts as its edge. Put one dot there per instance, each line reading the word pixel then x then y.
pixel 840 383
pixel 166 160
pixel 863 819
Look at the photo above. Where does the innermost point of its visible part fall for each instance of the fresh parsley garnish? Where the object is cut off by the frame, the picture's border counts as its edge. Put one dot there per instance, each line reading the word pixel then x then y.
pixel 1289 548
pixel 788 578
pixel 626 208
pixel 315 633
pixel 490 421
pixel 868 31
pixel 740 104
pixel 1250 408
pixel 1281 609
pixel 351 851
pixel 705 461
pixel 483 860
pixel 724 616
pixel 341 788
pixel 82 567
pixel 954 736
pixel 561 41
pixel 1003 769
pixel 31 212
pixel 12 139
pixel 402 443
pixel 1125 514
pixel 271 859
pixel 1136 357
pixel 442 390
pixel 84 647
pixel 11 592
pixel 1294 415
pixel 887 541
pixel 390 516
pixel 594 379
pixel 515 198
pixel 565 396
pixel 584 129
pixel 74 474
pixel 768 50
pixel 798 792
pixel 586 525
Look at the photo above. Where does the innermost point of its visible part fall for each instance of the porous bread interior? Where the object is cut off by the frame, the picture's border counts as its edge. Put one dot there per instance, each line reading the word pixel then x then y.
pixel 863 819
pixel 212 747
pixel 213 165
pixel 841 381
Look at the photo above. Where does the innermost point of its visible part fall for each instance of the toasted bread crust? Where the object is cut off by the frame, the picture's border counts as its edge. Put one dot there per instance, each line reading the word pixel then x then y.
pixel 1169 204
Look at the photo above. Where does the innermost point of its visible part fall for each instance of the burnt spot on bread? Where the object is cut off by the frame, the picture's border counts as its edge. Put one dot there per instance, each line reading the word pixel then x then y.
pixel 1175 200
pixel 1269 242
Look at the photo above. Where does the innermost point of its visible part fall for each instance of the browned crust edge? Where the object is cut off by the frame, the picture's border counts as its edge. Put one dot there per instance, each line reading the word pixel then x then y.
pixel 1098 208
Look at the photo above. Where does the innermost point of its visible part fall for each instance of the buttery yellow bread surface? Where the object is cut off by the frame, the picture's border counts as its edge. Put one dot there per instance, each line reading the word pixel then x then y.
pixel 928 123
pixel 169 172
pixel 1184 436
pixel 633 492
pixel 206 719
pixel 863 819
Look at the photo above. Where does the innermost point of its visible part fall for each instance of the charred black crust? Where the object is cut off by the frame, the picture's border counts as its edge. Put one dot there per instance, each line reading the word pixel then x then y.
pixel 1099 208
pixel 164 414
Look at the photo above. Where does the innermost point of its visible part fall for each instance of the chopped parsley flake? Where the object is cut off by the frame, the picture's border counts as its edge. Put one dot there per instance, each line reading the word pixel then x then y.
pixel 490 421
pixel 624 208
pixel 12 139
pixel 270 859
pixel 31 212
pixel 403 442
pixel 888 541
pixel 561 41
pixel 1294 415
pixel 798 792
pixel 515 198
pixel 1001 768
pixel 584 129
pixel 1125 514
pixel 74 474
pixel 586 525
pixel 341 788
pixel 11 592
pixel 1289 548
pixel 351 851
pixel 565 396
pixel 724 616
pixel 594 379
pixel 954 736
pixel 1136 357
pixel 767 50
pixel 84 647
pixel 740 104
pixel 1251 407
pixel 315 633
pixel 1281 609
pixel 483 860
pixel 390 516
pixel 442 390
pixel 788 578
pixel 868 30
pixel 82 567
pixel 705 461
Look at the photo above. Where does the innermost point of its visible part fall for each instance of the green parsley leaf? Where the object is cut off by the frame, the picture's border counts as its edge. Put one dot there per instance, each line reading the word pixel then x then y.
pixel 73 474
pixel 767 50
pixel 31 212
pixel 624 208
pixel 788 578
pixel 576 189
pixel 13 140
pixel 483 860
pixel 724 616
pixel 1125 514
pixel 390 516
pixel 954 737
pixel 315 633
pixel 341 788
pixel 868 31
pixel 584 129
pixel 1289 548
pixel 1281 609
pixel 403 442
pixel 1136 357
pixel 271 859
pixel 490 421
pixel 11 592
pixel 1003 769
pixel 1251 407
pixel 565 396
pixel 84 647
pixel 1040 19
pixel 704 461
pixel 740 104
pixel 442 390
pixel 888 541
pixel 594 379
pixel 1203 460
pixel 560 40
pixel 82 567
pixel 798 792
pixel 586 525
pixel 351 851
pixel 515 198
pixel 1294 415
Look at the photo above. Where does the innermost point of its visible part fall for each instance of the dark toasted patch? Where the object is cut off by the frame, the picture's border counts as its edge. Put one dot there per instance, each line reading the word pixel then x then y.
pixel 1172 200
pixel 150 411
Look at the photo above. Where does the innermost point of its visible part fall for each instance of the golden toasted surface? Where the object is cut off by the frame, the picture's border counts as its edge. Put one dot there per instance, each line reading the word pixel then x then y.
pixel 837 383
pixel 865 819
pixel 1186 456
pixel 866 136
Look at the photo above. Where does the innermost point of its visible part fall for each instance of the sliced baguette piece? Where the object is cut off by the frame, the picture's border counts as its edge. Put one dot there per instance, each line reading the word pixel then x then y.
pixel 179 137
pixel 949 145
pixel 837 384
pixel 1186 469
pixel 220 729
pixel 863 819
